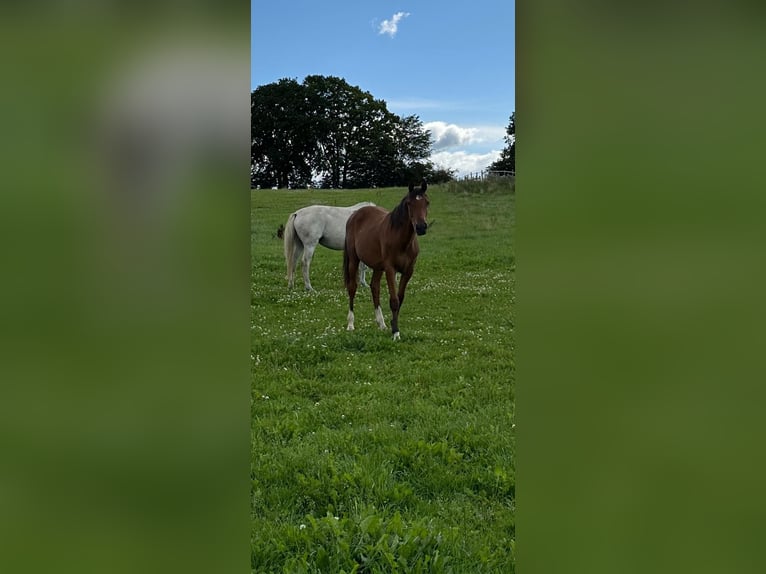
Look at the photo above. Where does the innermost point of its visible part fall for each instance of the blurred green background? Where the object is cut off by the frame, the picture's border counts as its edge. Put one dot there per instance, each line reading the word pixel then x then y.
pixel 124 330
pixel 640 274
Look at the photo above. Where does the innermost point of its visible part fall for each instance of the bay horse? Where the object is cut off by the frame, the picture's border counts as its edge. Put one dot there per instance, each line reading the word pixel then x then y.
pixel 316 225
pixel 387 243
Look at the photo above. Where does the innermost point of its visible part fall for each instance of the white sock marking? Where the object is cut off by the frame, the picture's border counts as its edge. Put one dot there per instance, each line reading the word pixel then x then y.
pixel 396 336
pixel 350 321
pixel 379 317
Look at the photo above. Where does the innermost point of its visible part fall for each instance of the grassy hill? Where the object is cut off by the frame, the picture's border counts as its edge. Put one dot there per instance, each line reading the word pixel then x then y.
pixel 370 455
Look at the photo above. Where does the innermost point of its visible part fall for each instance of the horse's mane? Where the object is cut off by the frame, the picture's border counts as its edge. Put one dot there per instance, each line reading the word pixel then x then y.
pixel 399 216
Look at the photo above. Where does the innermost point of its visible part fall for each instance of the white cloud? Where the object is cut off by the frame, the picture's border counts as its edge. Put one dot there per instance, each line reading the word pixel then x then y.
pixel 450 135
pixel 391 27
pixel 463 162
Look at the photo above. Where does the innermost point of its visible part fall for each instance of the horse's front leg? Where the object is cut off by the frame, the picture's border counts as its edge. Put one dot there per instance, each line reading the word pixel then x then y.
pixel 404 279
pixel 393 300
pixel 375 287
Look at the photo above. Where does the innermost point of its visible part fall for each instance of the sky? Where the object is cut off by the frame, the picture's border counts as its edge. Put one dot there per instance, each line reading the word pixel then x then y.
pixel 451 63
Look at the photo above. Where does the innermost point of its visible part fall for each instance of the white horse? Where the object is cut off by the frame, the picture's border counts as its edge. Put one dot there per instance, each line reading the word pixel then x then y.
pixel 316 225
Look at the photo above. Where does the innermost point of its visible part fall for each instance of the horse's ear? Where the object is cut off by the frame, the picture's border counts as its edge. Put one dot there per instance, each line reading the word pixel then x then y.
pixel 423 186
pixel 412 189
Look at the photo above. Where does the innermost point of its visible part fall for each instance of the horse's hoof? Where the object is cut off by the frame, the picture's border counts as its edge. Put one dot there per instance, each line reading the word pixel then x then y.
pixel 350 328
pixel 396 336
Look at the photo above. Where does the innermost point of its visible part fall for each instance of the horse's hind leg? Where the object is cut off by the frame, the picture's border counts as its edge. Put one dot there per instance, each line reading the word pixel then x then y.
pixel 375 287
pixel 351 285
pixel 294 263
pixel 362 269
pixel 308 254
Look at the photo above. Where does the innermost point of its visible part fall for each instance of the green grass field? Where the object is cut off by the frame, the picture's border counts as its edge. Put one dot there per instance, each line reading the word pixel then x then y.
pixel 373 455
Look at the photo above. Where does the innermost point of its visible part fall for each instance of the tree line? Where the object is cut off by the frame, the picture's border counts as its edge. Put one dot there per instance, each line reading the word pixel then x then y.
pixel 507 159
pixel 326 132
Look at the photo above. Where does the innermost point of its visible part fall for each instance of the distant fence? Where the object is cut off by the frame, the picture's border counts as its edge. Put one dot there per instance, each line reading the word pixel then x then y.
pixel 486 174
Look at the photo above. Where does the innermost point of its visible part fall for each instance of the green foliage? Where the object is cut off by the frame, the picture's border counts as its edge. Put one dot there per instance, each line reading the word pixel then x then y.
pixel 283 136
pixel 328 130
pixel 441 175
pixel 489 185
pixel 370 542
pixel 370 455
pixel 507 159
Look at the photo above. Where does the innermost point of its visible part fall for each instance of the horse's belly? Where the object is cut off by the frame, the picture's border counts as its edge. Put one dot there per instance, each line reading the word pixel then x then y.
pixel 333 236
pixel 332 242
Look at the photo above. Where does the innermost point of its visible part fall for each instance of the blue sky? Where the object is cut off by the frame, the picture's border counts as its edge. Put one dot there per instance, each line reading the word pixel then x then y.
pixel 451 63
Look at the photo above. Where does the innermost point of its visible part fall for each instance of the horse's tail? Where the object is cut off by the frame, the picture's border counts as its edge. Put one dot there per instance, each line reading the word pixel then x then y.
pixel 291 238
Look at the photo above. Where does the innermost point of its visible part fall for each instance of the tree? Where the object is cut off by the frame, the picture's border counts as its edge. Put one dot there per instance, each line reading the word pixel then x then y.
pixel 413 145
pixel 342 114
pixel 361 143
pixel 441 175
pixel 507 159
pixel 283 141
pixel 329 131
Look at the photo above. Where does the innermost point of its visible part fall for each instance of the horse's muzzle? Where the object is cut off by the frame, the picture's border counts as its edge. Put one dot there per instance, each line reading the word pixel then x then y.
pixel 420 228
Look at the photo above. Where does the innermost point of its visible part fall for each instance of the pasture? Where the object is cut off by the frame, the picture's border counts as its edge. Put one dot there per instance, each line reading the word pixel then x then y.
pixel 374 455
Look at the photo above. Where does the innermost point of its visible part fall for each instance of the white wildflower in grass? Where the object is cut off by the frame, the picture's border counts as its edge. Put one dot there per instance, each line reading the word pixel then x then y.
pixel 302 527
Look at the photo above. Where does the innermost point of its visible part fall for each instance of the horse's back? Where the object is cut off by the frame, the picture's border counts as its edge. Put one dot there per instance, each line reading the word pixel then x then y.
pixel 325 224
pixel 360 204
pixel 365 217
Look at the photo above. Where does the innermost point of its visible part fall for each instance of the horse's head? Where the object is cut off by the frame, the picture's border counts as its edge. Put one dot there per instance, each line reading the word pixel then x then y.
pixel 417 206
